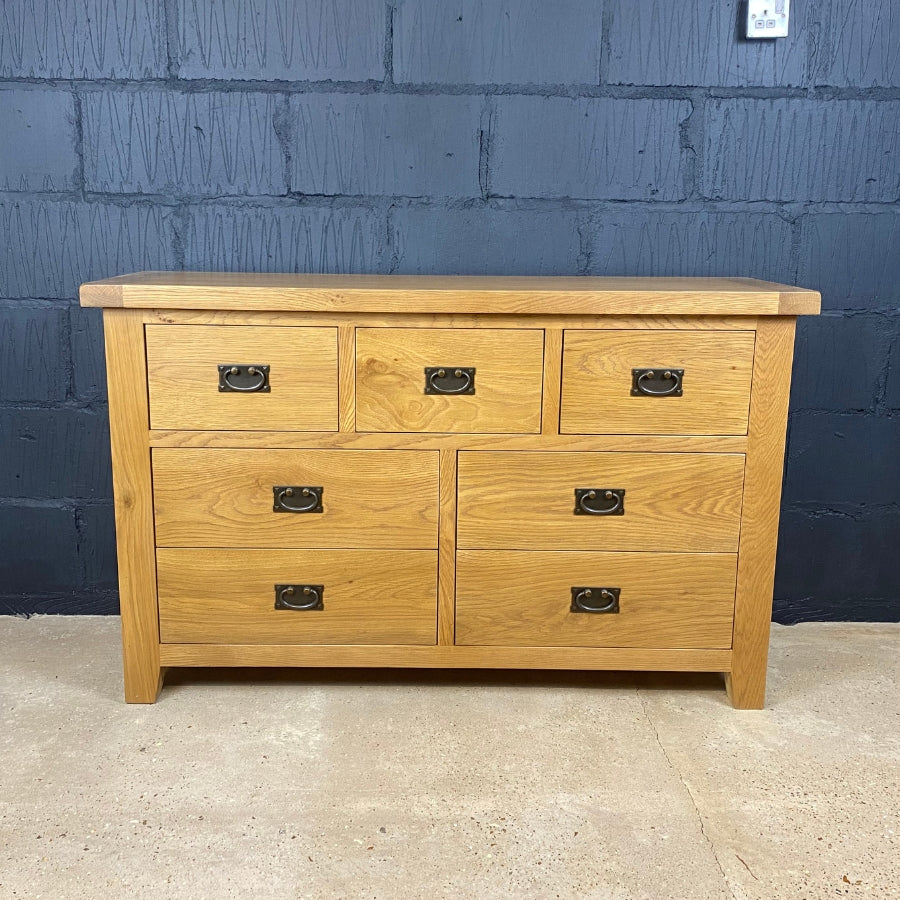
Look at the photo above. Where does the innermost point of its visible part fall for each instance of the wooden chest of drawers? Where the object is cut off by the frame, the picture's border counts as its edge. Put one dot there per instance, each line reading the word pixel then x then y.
pixel 570 473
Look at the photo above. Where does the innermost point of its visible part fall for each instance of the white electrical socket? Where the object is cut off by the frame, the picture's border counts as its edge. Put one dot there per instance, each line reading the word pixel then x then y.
pixel 768 18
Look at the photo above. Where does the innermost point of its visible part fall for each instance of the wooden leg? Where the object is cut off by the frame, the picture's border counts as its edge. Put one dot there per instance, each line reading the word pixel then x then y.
pixel 142 682
pixel 747 692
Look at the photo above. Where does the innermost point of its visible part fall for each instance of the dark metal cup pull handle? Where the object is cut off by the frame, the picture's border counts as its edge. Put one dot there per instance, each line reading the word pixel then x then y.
pixel 311 502
pixel 243 379
pixel 662 382
pixel 599 501
pixel 299 596
pixel 595 599
pixel 449 380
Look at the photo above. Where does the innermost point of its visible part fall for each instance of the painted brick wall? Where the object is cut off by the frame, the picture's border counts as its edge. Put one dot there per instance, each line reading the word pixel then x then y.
pixel 441 136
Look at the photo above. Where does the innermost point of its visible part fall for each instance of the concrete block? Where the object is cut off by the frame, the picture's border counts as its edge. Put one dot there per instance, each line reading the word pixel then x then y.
pixel 37 141
pixel 754 245
pixel 38 550
pixel 385 144
pixel 32 360
pixel 587 148
pixel 88 360
pixel 498 41
pixel 82 39
pixel 838 362
pixel 852 258
pixel 696 43
pixel 53 454
pixel 892 385
pixel 487 242
pixel 48 247
pixel 802 150
pixel 97 549
pixel 842 458
pixel 857 43
pixel 197 143
pixel 285 239
pixel 291 40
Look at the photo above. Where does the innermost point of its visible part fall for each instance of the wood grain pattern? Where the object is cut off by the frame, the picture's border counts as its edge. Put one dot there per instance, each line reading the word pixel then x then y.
pixel 224 498
pixel 452 294
pixel 759 522
pixel 390 380
pixel 687 502
pixel 182 363
pixel 425 441
pixel 347 378
pixel 597 381
pixel 523 599
pixel 553 350
pixel 411 657
pixel 127 375
pixel 370 596
pixel 446 624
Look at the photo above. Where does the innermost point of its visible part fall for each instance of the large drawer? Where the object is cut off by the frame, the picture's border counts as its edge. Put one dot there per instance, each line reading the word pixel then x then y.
pixel 355 498
pixel 603 394
pixel 395 393
pixel 665 600
pixel 671 501
pixel 188 391
pixel 229 596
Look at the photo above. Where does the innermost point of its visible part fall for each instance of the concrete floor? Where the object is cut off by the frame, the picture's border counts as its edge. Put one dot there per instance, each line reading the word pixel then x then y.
pixel 403 785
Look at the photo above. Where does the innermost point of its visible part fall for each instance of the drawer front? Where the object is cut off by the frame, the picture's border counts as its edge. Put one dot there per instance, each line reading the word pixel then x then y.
pixel 672 501
pixel 393 391
pixel 229 596
pixel 184 379
pixel 353 498
pixel 665 600
pixel 602 394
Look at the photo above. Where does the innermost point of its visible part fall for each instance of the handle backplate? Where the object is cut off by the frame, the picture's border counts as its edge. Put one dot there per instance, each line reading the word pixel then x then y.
pixel 300 597
pixel 291 498
pixel 595 600
pixel 243 378
pixel 599 501
pixel 449 380
pixel 663 381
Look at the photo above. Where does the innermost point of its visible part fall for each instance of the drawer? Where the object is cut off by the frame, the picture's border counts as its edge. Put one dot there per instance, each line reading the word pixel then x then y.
pixel 665 600
pixel 672 501
pixel 227 498
pixel 601 394
pixel 504 395
pixel 229 596
pixel 184 379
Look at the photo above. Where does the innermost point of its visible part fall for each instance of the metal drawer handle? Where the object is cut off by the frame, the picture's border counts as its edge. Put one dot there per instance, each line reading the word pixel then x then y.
pixel 643 381
pixel 456 380
pixel 595 599
pixel 599 501
pixel 313 503
pixel 244 379
pixel 309 596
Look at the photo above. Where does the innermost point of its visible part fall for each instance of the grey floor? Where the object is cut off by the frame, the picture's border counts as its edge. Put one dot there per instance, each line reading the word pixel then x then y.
pixel 354 784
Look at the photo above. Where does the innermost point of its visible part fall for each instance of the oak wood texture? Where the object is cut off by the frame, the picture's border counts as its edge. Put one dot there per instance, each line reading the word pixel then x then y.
pixel 370 596
pixel 450 293
pixel 182 363
pixel 746 683
pixel 347 378
pixel 523 599
pixel 390 380
pixel 553 349
pixel 597 382
pixel 442 657
pixel 224 498
pixel 446 624
pixel 128 414
pixel 688 502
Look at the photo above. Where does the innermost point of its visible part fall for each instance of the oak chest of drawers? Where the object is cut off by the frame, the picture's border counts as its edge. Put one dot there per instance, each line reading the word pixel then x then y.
pixel 568 473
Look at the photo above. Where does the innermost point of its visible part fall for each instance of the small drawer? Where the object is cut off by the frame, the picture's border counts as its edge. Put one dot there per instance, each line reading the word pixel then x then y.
pixel 474 380
pixel 297 596
pixel 200 378
pixel 652 600
pixel 656 382
pixel 296 498
pixel 641 501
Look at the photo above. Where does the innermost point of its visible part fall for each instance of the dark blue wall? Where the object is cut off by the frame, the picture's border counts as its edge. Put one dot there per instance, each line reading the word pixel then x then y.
pixel 573 136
